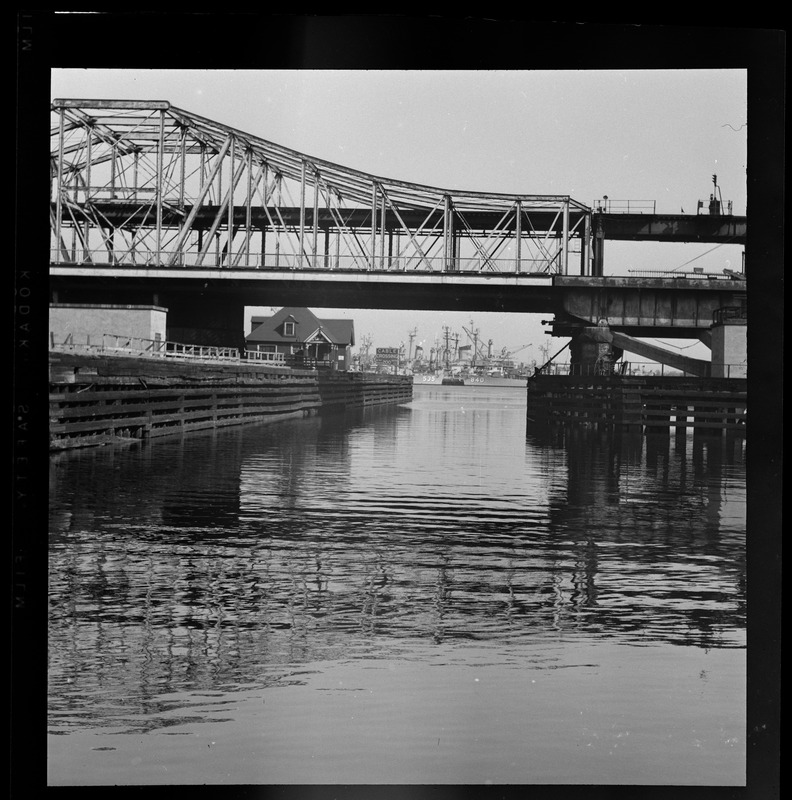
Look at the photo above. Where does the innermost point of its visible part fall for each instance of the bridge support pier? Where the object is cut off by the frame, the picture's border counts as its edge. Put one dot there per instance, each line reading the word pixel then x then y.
pixel 592 352
pixel 730 348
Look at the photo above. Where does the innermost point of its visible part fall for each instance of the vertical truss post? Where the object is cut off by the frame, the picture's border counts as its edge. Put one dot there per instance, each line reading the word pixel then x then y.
pixel 231 187
pixel 201 166
pixel 75 230
pixel 278 181
pixel 58 201
pixel 598 261
pixel 113 153
pixel 338 249
pixel 398 246
pixel 446 214
pixel 85 240
pixel 518 234
pixel 382 233
pixel 315 246
pixel 264 192
pixel 585 238
pixel 88 158
pixel 160 156
pixel 183 166
pixel 373 222
pixel 326 261
pixel 86 226
pixel 133 242
pixel 248 205
pixel 565 242
pixel 219 175
pixel 302 213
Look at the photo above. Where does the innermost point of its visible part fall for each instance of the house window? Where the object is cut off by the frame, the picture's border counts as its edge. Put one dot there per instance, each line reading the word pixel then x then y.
pixel 288 329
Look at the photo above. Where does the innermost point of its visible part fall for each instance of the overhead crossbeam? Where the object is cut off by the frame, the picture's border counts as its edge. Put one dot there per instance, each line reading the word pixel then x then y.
pixel 142 183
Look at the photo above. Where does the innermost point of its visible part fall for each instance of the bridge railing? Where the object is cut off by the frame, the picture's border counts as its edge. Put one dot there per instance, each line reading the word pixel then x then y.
pixel 149 259
pixel 608 206
pixel 737 370
pixel 672 273
pixel 110 343
pixel 114 344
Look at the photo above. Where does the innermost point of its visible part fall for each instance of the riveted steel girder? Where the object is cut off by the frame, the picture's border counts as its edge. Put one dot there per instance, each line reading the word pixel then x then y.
pixel 636 306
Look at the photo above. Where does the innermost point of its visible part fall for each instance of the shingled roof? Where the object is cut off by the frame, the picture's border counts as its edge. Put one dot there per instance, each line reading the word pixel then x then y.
pixel 340 332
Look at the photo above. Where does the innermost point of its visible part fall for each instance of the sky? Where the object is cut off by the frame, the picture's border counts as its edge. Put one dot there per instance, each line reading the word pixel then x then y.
pixel 638 135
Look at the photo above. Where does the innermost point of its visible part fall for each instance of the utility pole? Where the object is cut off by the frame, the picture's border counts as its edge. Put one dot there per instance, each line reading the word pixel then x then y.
pixel 365 344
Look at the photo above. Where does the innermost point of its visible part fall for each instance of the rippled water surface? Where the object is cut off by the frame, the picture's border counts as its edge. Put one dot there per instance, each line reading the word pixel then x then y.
pixel 422 594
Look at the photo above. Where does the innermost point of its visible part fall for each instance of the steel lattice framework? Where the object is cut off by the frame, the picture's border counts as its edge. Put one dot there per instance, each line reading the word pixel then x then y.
pixel 142 183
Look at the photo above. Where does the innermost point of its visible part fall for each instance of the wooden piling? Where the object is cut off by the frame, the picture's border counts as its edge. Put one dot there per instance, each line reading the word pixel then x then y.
pixel 98 399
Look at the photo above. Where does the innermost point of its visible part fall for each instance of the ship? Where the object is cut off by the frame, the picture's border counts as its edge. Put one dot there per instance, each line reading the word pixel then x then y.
pixel 453 364
pixel 466 377
pixel 500 380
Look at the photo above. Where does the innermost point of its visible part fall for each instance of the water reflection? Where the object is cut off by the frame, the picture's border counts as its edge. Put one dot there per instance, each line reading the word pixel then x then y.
pixel 226 560
pixel 657 525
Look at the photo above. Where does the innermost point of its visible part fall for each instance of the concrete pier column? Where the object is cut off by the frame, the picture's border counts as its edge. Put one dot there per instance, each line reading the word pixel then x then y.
pixel 591 350
pixel 730 348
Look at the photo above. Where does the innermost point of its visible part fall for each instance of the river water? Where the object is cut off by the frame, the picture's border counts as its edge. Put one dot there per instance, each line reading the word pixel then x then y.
pixel 414 595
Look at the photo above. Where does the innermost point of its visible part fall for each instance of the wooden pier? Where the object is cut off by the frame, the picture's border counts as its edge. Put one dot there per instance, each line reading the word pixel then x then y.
pixel 648 403
pixel 99 399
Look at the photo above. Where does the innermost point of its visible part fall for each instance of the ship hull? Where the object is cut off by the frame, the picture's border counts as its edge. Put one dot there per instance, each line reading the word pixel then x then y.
pixel 495 380
pixel 442 379
pixel 428 378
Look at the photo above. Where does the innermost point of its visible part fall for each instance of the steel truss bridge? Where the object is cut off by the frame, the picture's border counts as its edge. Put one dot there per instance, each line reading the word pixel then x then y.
pixel 153 204
pixel 148 184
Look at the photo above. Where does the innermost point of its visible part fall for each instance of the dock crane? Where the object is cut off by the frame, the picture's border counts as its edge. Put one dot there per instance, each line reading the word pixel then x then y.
pixel 507 353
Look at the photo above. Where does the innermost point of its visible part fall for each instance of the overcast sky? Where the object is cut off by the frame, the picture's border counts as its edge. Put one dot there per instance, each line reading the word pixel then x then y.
pixel 653 135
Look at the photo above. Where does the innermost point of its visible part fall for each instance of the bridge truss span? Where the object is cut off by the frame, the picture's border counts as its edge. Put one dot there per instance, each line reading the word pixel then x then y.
pixel 145 184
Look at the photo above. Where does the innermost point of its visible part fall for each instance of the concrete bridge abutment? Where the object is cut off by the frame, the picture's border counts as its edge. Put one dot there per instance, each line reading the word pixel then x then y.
pixel 211 319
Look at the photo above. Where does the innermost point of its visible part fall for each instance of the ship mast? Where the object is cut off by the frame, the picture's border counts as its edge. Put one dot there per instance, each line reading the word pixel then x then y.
pixel 446 336
pixel 412 334
pixel 473 334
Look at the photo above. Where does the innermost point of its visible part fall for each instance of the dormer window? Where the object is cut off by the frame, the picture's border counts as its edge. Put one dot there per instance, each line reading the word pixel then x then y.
pixel 288 329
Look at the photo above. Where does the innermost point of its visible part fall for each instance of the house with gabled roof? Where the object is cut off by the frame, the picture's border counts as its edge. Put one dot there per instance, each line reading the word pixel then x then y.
pixel 297 335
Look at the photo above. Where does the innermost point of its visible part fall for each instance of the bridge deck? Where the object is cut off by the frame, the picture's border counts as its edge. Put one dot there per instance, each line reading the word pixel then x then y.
pixel 682 307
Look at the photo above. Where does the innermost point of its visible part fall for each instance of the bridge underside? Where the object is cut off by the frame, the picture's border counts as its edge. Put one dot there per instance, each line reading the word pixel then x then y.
pixel 670 307
pixel 215 299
